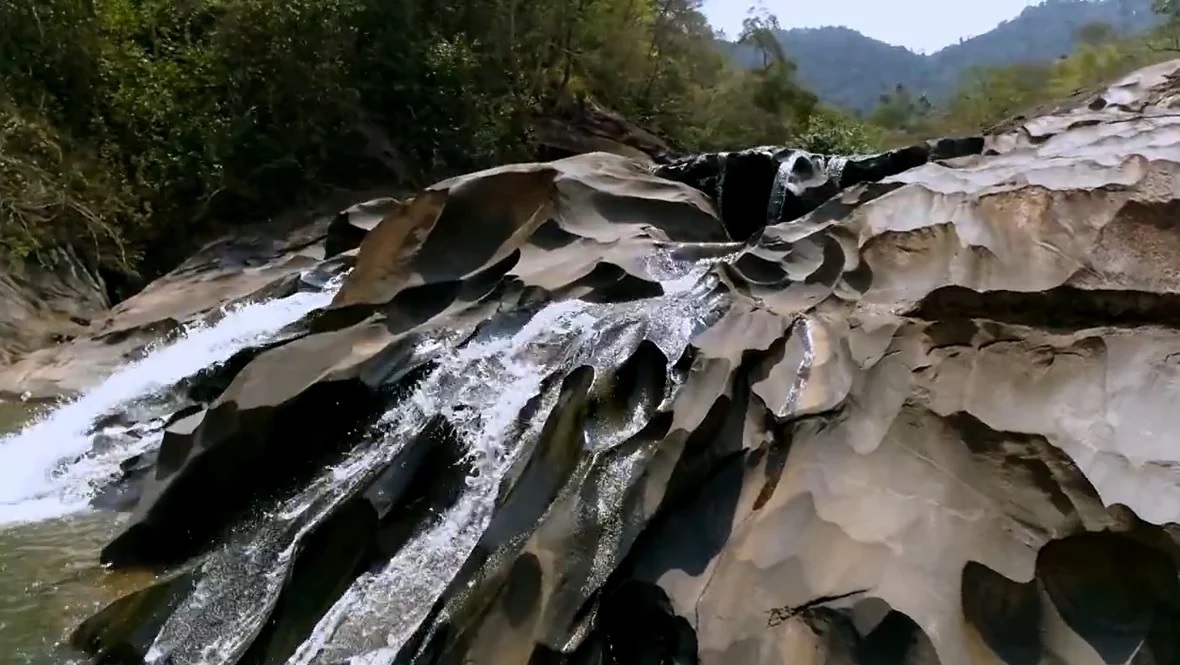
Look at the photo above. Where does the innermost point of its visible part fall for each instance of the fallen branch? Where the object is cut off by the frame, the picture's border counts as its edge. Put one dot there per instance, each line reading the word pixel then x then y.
pixel 781 615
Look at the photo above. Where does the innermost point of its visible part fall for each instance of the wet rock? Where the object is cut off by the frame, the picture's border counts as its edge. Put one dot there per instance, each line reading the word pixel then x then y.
pixel 350 226
pixel 584 127
pixel 45 303
pixel 249 453
pixel 115 640
pixel 762 186
pixel 553 225
pixel 254 264
pixel 125 490
pixel 408 274
pixel 925 414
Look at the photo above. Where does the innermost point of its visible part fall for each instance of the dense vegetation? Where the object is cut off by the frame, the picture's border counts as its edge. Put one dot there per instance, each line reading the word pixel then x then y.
pixel 848 69
pixel 132 128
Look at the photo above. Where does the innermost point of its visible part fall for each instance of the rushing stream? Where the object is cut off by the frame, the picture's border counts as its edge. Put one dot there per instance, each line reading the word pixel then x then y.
pixel 50 468
pixel 479 388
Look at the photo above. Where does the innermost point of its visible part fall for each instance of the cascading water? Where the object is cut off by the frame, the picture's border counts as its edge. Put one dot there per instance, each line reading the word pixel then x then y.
pixel 49 468
pixel 480 388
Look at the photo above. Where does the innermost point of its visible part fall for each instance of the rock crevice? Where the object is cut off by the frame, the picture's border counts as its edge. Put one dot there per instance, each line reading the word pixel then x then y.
pixel 754 407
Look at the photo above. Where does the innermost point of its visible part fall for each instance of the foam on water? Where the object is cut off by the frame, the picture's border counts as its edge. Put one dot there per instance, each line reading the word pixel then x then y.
pixel 49 469
pixel 480 388
pixel 381 609
pixel 372 621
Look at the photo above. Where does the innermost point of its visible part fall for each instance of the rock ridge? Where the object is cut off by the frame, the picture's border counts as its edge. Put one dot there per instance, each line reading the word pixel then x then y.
pixel 749 407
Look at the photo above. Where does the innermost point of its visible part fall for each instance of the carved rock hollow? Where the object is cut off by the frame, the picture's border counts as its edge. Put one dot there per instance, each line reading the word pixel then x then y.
pixel 926 413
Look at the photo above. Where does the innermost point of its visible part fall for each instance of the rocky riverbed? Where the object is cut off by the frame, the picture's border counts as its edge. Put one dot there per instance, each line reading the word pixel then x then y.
pixel 747 407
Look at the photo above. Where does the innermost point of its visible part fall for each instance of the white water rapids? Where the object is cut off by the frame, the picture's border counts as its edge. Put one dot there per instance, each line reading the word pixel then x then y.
pixel 54 466
pixel 480 388
pixel 51 468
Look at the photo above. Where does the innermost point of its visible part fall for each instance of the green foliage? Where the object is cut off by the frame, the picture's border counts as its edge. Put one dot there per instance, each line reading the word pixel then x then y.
pixel 1096 33
pixel 833 132
pixel 1168 9
pixel 850 70
pixel 137 127
pixel 1168 37
pixel 989 96
pixel 900 110
pixel 51 194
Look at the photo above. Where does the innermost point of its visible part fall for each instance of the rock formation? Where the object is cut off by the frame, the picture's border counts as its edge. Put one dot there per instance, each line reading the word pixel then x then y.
pixel 254 263
pixel 45 304
pixel 583 126
pixel 753 408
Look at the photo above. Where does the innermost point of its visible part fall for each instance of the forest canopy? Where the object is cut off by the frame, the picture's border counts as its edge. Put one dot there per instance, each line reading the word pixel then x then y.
pixel 132 129
pixel 988 96
pixel 133 125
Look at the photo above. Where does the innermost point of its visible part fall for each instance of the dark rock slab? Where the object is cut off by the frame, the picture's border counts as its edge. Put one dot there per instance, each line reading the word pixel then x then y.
pixel 758 187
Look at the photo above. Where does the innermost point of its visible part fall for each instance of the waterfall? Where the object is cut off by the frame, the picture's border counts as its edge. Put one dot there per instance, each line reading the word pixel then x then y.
pixel 480 389
pixel 50 468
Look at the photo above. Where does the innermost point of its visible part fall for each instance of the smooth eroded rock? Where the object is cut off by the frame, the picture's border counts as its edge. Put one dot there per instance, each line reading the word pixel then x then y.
pixel 922 410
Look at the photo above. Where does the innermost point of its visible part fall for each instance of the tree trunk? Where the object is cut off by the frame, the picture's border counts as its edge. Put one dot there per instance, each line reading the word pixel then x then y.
pixel 657 27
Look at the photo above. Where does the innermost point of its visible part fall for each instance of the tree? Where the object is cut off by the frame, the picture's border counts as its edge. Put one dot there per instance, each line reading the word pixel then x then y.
pixel 1169 11
pixel 900 111
pixel 1096 33
pixel 137 128
pixel 988 96
pixel 776 91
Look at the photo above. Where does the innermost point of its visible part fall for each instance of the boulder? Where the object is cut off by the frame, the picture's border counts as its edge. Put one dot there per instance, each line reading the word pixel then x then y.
pixel 768 185
pixel 45 302
pixel 581 226
pixel 76 339
pixel 584 126
pixel 350 226
pixel 558 415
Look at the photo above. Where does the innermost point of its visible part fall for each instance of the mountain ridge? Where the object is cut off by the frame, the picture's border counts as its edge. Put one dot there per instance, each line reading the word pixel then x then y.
pixel 851 70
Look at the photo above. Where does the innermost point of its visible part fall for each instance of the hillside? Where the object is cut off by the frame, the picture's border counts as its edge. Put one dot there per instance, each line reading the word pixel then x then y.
pixel 850 70
pixel 147 127
pixel 134 131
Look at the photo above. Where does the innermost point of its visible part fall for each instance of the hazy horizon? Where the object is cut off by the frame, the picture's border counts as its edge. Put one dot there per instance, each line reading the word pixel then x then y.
pixel 944 23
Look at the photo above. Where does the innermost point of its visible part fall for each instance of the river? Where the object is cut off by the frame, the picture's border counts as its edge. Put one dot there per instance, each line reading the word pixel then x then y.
pixel 50 468
pixel 49 576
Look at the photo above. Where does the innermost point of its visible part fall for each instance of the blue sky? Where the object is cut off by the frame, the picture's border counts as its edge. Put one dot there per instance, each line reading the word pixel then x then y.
pixel 922 25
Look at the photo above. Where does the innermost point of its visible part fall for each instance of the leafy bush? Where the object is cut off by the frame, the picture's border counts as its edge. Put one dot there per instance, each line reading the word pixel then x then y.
pixel 834 132
pixel 52 193
pixel 135 128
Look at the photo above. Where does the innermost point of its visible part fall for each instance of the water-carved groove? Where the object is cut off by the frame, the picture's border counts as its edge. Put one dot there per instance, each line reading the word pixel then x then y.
pixel 637 414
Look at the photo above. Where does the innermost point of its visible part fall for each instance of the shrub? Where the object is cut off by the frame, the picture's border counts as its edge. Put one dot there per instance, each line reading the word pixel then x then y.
pixel 135 128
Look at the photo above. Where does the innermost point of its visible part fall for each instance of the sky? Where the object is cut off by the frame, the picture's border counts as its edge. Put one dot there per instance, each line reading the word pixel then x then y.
pixel 921 25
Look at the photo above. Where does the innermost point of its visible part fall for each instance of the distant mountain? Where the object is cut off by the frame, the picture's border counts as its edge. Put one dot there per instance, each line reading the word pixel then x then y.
pixel 850 70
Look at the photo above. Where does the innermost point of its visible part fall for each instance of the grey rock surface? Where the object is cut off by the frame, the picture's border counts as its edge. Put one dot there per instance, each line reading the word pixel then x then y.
pixel 930 420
